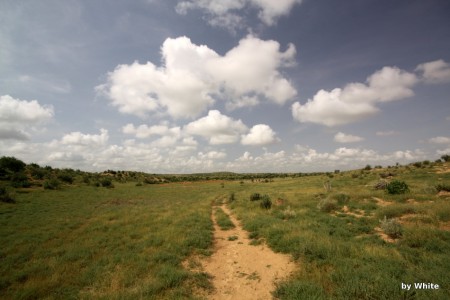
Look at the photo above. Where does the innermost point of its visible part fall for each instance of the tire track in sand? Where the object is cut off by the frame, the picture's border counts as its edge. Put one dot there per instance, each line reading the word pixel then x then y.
pixel 240 270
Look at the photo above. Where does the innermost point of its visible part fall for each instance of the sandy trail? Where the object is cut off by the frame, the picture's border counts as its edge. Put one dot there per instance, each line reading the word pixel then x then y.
pixel 240 270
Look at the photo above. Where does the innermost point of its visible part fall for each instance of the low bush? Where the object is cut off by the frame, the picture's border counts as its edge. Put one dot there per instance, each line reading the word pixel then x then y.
pixel 397 187
pixel 266 203
pixel 255 197
pixel 19 180
pixel 327 205
pixel 288 213
pixel 67 178
pixel 106 182
pixel 443 187
pixel 391 227
pixel 5 196
pixel 51 184
pixel 231 197
pixel 341 198
pixel 380 185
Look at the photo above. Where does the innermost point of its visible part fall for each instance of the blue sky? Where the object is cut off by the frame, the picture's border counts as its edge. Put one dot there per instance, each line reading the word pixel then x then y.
pixel 241 85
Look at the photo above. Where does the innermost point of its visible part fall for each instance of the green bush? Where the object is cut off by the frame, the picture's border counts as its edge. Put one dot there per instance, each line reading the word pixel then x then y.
pixel 51 184
pixel 255 197
pixel 443 187
pixel 391 227
pixel 106 182
pixel 19 180
pixel 5 196
pixel 266 203
pixel 327 205
pixel 397 187
pixel 342 198
pixel 67 178
pixel 232 197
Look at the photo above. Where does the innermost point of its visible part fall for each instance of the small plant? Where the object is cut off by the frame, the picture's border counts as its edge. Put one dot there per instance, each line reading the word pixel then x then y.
pixel 327 205
pixel 288 213
pixel 51 184
pixel 342 198
pixel 391 227
pixel 5 196
pixel 380 185
pixel 67 178
pixel 139 184
pixel 255 197
pixel 367 168
pixel 443 187
pixel 397 187
pixel 231 198
pixel 266 203
pixel 106 182
pixel 232 237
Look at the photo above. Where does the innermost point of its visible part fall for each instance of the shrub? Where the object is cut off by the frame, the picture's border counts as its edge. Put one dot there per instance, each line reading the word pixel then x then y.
pixel 106 182
pixel 5 196
pixel 380 185
pixel 231 198
pixel 67 178
pixel 255 197
pixel 11 164
pixel 288 213
pixel 391 227
pixel 367 168
pixel 341 198
pixel 443 187
pixel 266 203
pixel 51 184
pixel 397 187
pixel 327 205
pixel 20 180
pixel 445 157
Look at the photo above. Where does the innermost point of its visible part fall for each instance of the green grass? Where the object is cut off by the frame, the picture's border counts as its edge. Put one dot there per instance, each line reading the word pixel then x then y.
pixel 129 242
pixel 86 242
pixel 223 220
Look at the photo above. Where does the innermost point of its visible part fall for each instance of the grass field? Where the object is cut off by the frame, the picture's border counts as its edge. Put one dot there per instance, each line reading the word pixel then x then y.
pixel 129 242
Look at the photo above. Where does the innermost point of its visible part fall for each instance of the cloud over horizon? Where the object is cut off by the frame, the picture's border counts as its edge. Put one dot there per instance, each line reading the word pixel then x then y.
pixel 192 78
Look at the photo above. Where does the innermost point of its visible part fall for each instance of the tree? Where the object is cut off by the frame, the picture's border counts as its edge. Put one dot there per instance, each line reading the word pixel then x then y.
pixel 10 165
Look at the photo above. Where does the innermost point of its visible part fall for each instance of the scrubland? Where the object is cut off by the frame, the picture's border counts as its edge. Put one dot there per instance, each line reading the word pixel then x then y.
pixel 130 239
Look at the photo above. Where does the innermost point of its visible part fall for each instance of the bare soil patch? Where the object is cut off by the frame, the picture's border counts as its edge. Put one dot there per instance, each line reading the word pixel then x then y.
pixel 381 202
pixel 240 270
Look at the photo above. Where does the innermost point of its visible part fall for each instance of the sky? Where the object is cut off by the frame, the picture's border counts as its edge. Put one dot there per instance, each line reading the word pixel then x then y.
pixel 187 86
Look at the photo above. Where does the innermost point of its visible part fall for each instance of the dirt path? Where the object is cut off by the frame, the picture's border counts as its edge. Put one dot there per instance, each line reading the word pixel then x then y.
pixel 240 270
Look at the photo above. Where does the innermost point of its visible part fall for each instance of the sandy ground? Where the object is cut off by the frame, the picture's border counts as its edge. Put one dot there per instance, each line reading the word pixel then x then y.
pixel 240 270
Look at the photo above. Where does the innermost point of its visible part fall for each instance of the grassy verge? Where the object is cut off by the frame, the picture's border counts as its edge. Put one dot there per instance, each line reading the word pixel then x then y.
pixel 223 220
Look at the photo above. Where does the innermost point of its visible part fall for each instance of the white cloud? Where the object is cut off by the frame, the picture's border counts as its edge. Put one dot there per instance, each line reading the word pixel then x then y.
pixel 440 140
pixel 437 71
pixel 327 108
pixel 386 133
pixel 259 135
pixel 193 76
pixel 212 155
pixel 17 117
pixel 272 10
pixel 144 131
pixel 341 137
pixel 217 128
pixel 356 101
pixel 78 138
pixel 228 14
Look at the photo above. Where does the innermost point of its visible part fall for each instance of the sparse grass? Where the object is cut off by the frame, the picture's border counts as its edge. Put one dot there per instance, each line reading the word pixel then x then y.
pixel 223 220
pixel 83 242
pixel 128 242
